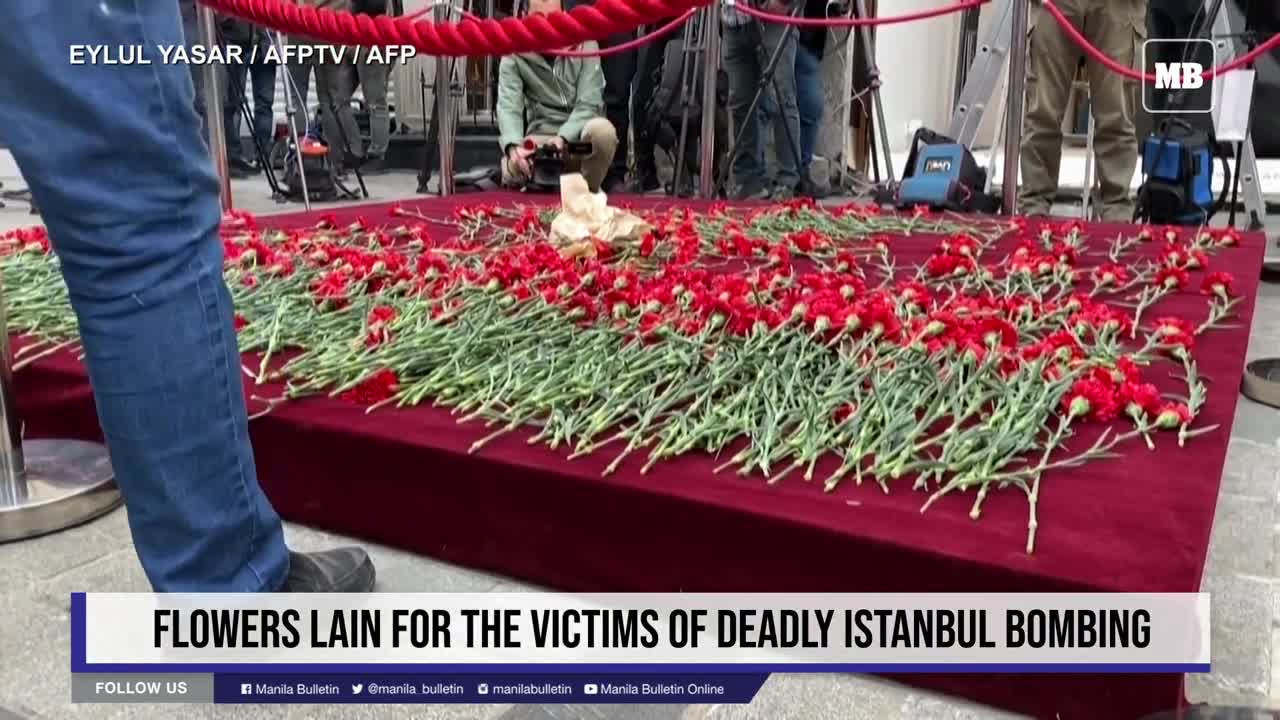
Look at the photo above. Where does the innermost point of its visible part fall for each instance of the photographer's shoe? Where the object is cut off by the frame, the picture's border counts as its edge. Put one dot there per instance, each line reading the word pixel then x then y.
pixel 341 570
pixel 643 184
pixel 374 165
pixel 750 191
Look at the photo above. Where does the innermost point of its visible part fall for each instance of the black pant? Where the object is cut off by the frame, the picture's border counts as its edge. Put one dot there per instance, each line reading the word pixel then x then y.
pixel 619 73
pixel 648 73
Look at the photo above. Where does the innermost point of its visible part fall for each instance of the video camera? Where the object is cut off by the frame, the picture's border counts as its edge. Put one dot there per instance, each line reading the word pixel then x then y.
pixel 548 162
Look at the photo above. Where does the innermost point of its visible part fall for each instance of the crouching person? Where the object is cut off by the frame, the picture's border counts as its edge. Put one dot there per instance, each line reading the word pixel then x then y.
pixel 553 99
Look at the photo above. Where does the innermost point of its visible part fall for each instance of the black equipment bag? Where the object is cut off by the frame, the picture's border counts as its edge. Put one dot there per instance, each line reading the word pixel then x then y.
pixel 322 183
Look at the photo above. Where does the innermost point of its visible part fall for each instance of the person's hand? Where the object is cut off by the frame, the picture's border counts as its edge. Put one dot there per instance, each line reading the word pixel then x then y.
pixel 518 159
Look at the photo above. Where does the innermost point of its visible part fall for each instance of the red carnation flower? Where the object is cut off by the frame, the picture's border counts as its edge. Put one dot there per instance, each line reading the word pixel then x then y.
pixel 1219 284
pixel 380 386
pixel 1139 399
pixel 1110 274
pixel 1092 399
pixel 1173 415
pixel 240 322
pixel 1172 278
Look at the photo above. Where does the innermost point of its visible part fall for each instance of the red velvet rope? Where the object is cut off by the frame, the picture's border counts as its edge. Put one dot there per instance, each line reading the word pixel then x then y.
pixel 532 33
pixel 1115 67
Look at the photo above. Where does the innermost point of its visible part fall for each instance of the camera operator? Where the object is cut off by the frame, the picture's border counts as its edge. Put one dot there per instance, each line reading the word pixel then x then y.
pixel 810 90
pixel 375 77
pixel 262 73
pixel 748 47
pixel 334 86
pixel 555 100
pixel 1117 28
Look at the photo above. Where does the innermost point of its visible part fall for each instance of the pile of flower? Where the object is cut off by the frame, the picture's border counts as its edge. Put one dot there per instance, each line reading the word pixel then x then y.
pixel 787 341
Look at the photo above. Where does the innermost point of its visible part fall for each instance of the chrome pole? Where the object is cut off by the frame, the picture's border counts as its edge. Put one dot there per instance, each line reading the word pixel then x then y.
pixel 290 95
pixel 48 485
pixel 213 106
pixel 710 71
pixel 444 108
pixel 1017 97
pixel 869 57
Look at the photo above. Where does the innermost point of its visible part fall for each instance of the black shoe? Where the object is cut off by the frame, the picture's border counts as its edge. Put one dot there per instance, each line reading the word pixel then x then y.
pixel 750 191
pixel 242 165
pixel 613 185
pixel 643 184
pixel 375 165
pixel 341 570
pixel 782 193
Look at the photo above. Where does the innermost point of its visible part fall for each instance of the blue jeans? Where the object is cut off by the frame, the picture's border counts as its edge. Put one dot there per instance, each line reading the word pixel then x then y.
pixel 810 99
pixel 263 77
pixel 747 50
pixel 130 198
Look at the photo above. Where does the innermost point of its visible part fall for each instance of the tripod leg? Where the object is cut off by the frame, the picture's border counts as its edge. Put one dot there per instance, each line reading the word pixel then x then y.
pixel 290 90
pixel 869 56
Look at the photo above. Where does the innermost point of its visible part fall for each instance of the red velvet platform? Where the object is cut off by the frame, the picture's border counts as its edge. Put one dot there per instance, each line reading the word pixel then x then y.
pixel 404 478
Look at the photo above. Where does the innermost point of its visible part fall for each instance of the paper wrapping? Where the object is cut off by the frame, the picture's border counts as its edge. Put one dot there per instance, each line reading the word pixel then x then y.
pixel 585 218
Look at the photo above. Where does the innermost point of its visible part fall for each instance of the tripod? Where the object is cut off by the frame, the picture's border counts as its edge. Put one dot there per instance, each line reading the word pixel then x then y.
pixel 262 152
pixel 767 81
pixel 290 92
pixel 1246 172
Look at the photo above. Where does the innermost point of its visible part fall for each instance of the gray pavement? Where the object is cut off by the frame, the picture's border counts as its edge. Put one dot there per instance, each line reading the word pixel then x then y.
pixel 1243 574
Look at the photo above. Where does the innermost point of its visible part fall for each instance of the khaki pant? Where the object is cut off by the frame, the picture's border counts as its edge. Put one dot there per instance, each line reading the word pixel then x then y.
pixel 604 141
pixel 1118 28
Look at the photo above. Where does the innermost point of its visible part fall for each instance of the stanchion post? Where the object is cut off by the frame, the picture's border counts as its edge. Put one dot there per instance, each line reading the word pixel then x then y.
pixel 444 108
pixel 710 74
pixel 1017 96
pixel 46 485
pixel 13 485
pixel 213 106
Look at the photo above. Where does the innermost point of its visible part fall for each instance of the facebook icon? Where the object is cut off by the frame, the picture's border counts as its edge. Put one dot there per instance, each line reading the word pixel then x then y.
pixel 1186 73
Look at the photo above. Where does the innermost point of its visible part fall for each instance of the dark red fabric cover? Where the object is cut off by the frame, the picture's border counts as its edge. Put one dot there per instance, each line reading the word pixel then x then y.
pixel 405 478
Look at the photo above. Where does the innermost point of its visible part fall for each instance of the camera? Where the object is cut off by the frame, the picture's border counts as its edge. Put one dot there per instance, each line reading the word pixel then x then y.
pixel 548 162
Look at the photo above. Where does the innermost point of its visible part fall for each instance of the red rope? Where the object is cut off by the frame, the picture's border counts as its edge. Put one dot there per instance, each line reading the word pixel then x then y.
pixel 1115 67
pixel 533 33
pixel 633 43
pixel 742 7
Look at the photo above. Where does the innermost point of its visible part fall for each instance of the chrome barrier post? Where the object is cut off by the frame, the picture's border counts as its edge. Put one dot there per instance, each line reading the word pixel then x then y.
pixel 1017 96
pixel 46 485
pixel 444 108
pixel 213 106
pixel 710 72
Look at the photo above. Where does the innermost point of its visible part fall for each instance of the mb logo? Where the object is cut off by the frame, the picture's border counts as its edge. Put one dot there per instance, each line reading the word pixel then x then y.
pixel 1180 84
pixel 1179 76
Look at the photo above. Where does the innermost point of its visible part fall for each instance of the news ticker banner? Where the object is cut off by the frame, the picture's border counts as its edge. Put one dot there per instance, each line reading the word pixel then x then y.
pixel 412 688
pixel 681 633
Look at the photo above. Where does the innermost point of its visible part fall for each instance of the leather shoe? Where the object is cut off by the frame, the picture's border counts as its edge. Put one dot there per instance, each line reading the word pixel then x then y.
pixel 340 570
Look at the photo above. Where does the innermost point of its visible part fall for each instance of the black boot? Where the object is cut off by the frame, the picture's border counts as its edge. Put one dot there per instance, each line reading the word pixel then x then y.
pixel 341 570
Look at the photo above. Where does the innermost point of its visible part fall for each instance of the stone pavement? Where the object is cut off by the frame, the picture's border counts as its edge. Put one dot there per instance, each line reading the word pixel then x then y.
pixel 1243 574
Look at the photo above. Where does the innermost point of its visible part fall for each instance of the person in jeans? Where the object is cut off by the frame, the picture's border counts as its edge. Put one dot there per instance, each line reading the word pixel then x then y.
pixel 262 73
pixel 375 78
pixel 334 88
pixel 748 47
pixel 810 93
pixel 143 268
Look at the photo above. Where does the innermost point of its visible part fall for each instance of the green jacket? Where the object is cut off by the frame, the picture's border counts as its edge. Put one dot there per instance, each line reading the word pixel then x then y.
pixel 557 95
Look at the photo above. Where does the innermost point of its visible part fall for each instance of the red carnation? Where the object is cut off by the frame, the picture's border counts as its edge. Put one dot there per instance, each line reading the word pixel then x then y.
pixel 1173 415
pixel 1110 274
pixel 1219 284
pixel 240 322
pixel 1091 398
pixel 1172 277
pixel 1139 399
pixel 1175 333
pixel 380 386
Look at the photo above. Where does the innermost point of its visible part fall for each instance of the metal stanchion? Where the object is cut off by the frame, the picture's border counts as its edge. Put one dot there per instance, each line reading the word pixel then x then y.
pixel 710 71
pixel 1017 96
pixel 213 106
pixel 444 108
pixel 46 485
